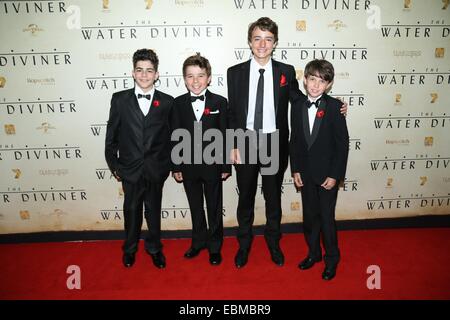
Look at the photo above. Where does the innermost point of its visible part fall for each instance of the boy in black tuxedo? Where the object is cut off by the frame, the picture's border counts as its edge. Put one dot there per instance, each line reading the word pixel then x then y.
pixel 319 150
pixel 137 150
pixel 201 107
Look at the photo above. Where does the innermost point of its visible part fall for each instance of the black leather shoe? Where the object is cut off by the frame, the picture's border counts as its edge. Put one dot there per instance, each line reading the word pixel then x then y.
pixel 241 258
pixel 128 259
pixel 277 257
pixel 329 273
pixel 158 259
pixel 215 258
pixel 307 263
pixel 192 252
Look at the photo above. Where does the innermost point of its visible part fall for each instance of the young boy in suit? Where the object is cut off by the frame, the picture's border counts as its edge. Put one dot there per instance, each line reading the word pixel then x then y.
pixel 319 150
pixel 137 150
pixel 197 107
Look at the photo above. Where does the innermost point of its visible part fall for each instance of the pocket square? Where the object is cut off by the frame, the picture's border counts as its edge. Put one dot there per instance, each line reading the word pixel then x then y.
pixel 214 112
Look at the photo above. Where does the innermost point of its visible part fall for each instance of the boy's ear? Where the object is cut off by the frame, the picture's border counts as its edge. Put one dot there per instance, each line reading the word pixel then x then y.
pixel 304 81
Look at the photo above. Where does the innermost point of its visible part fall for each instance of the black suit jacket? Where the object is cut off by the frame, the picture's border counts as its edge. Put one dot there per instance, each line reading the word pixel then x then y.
pixel 285 89
pixel 183 117
pixel 138 145
pixel 324 152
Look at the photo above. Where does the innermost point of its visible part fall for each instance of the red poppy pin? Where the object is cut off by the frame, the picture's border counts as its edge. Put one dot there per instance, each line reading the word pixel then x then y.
pixel 283 80
pixel 156 103
pixel 206 111
pixel 320 114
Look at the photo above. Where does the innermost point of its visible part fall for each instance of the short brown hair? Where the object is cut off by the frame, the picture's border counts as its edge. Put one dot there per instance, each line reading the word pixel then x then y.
pixel 321 68
pixel 265 24
pixel 144 55
pixel 197 60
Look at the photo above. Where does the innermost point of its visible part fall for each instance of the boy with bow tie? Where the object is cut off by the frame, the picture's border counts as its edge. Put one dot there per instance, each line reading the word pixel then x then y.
pixel 137 150
pixel 201 107
pixel 318 151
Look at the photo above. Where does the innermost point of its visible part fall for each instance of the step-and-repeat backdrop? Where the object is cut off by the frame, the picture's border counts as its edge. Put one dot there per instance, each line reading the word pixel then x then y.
pixel 60 62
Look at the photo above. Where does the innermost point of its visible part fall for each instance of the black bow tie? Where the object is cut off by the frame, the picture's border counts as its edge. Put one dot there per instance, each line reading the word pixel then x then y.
pixel 316 103
pixel 193 98
pixel 146 96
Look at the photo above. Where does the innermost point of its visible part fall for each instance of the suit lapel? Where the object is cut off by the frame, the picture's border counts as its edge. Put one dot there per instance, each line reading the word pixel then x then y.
pixel 134 104
pixel 305 122
pixel 245 85
pixel 318 120
pixel 187 105
pixel 208 103
pixel 276 73
pixel 156 97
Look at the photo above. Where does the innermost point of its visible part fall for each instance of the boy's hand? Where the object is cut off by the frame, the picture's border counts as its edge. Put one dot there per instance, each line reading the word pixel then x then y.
pixel 178 176
pixel 344 108
pixel 225 175
pixel 116 176
pixel 329 183
pixel 297 180
pixel 235 156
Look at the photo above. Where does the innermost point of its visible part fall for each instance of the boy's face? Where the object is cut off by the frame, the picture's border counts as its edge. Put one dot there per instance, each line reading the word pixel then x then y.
pixel 262 45
pixel 145 75
pixel 315 85
pixel 196 79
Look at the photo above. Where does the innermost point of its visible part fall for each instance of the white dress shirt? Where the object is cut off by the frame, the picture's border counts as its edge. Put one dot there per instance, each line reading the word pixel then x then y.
pixel 144 103
pixel 198 106
pixel 269 124
pixel 312 112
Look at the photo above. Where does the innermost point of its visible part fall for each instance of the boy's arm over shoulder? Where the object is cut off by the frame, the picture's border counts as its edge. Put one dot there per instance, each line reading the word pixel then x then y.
pixel 294 91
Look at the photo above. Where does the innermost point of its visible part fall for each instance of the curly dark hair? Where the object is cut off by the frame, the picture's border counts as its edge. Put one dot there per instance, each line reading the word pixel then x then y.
pixel 146 54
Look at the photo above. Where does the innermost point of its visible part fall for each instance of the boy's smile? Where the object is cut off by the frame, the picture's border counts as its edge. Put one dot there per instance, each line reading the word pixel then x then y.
pixel 145 75
pixel 196 79
pixel 316 86
pixel 262 45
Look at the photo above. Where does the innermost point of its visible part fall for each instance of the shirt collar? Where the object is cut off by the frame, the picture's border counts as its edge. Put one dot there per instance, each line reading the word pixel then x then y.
pixel 256 66
pixel 201 93
pixel 138 90
pixel 314 99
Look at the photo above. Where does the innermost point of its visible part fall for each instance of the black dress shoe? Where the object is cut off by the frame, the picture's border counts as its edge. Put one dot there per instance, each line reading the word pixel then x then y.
pixel 192 252
pixel 329 273
pixel 128 259
pixel 277 257
pixel 158 259
pixel 307 263
pixel 215 259
pixel 241 258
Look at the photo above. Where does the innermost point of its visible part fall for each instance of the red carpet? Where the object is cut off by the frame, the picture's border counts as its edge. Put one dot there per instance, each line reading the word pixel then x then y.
pixel 414 264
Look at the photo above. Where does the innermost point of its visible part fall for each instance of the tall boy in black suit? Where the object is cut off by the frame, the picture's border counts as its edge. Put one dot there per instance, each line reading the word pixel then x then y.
pixel 259 91
pixel 319 150
pixel 137 150
pixel 202 107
